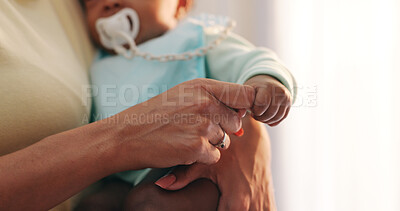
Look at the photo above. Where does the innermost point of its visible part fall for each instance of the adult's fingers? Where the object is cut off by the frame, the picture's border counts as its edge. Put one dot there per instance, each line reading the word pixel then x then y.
pixel 242 112
pixel 209 154
pixel 217 136
pixel 181 176
pixel 229 120
pixel 235 96
pixel 214 133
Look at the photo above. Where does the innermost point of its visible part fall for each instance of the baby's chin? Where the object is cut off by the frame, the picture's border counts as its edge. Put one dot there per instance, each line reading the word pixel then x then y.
pixel 141 38
pixel 156 30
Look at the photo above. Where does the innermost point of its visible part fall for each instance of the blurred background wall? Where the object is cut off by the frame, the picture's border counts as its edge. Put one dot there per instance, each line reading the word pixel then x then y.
pixel 339 148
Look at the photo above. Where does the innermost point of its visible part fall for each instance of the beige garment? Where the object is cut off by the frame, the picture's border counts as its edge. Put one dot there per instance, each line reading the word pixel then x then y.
pixel 45 53
pixel 44 56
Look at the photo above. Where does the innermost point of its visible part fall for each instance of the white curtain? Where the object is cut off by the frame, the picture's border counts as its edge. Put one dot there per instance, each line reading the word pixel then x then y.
pixel 339 148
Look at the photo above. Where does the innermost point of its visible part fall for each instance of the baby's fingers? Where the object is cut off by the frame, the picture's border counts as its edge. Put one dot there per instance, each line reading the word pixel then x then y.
pixel 279 117
pixel 262 101
pixel 269 114
pixel 273 124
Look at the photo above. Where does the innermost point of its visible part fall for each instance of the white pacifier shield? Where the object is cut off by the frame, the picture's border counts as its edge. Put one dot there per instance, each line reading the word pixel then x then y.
pixel 125 21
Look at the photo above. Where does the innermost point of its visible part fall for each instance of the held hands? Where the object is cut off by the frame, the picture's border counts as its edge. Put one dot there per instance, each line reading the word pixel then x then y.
pixel 272 100
pixel 183 125
pixel 186 123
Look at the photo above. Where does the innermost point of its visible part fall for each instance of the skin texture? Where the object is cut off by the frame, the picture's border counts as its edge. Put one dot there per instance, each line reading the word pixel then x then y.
pixel 43 175
pixel 271 105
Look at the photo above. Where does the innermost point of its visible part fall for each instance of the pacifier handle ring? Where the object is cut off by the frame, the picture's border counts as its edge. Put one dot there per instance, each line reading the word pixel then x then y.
pixel 134 50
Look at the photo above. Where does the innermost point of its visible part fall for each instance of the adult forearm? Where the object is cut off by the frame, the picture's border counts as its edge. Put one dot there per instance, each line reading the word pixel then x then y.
pixel 249 159
pixel 46 173
pixel 52 170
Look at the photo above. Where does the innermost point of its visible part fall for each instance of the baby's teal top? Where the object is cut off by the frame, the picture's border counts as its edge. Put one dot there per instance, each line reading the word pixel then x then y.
pixel 119 83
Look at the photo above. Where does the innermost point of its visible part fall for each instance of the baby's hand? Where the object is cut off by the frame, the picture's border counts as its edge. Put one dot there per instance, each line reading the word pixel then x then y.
pixel 272 102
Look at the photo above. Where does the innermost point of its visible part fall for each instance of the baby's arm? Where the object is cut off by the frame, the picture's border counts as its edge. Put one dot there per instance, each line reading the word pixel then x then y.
pixel 238 61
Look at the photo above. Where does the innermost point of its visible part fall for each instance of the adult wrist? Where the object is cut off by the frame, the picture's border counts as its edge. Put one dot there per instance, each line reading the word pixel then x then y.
pixel 117 142
pixel 129 132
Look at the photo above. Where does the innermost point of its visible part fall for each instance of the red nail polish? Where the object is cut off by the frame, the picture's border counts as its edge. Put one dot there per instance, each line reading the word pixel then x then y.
pixel 240 133
pixel 166 181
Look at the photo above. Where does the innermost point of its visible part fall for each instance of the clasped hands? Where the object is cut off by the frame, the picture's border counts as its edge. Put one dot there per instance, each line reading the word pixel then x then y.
pixel 183 125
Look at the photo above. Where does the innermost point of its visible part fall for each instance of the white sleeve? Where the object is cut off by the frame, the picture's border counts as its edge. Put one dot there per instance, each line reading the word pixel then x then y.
pixel 236 60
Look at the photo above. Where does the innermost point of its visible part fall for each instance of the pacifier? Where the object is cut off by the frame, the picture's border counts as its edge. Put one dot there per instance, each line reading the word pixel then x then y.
pixel 110 28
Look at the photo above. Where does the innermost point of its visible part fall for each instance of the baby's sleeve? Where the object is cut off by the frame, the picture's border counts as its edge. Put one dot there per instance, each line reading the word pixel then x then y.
pixel 236 60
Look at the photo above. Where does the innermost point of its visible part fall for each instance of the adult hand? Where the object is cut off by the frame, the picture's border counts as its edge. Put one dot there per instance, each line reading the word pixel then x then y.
pixel 153 134
pixel 183 125
pixel 243 174
pixel 272 101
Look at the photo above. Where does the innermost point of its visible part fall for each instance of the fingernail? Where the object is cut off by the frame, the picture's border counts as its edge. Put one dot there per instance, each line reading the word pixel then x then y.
pixel 166 181
pixel 242 113
pixel 240 133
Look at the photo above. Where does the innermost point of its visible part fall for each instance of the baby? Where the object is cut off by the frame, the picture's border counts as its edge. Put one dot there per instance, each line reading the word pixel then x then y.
pixel 148 46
